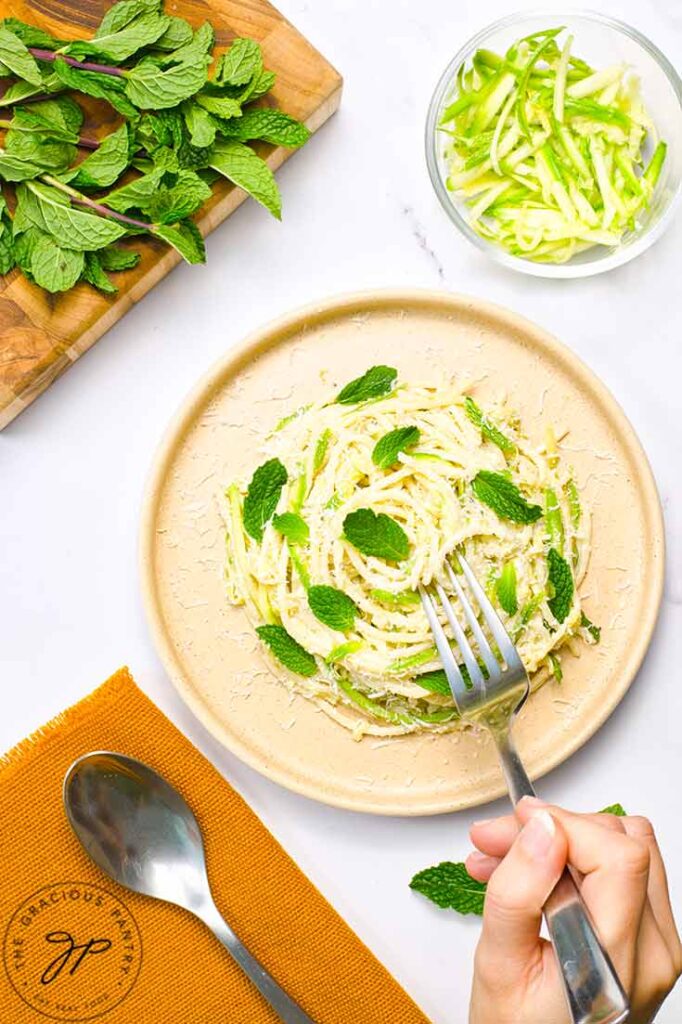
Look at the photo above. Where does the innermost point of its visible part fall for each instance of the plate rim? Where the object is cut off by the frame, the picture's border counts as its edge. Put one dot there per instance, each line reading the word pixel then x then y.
pixel 261 339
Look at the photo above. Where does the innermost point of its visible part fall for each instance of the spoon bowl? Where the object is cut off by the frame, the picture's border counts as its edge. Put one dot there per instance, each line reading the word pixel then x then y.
pixel 140 831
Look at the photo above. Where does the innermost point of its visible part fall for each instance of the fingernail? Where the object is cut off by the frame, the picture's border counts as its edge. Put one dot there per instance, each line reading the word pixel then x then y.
pixel 483 823
pixel 532 801
pixel 537 835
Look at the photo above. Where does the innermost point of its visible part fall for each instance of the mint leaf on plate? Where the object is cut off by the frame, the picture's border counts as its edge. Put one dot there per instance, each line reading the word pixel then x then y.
pixel 377 535
pixel 287 650
pixel 387 448
pixel 378 381
pixel 262 497
pixel 451 887
pixel 435 682
pixel 293 527
pixel 332 607
pixel 561 582
pixel 504 497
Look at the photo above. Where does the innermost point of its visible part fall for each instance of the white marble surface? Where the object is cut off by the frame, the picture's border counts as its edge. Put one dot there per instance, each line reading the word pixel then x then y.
pixel 359 212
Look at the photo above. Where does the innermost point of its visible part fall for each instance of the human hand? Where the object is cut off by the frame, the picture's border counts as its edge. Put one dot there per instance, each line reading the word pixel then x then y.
pixel 521 856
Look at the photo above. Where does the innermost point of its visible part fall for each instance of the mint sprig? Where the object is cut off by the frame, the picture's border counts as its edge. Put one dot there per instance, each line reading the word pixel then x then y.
pixel 376 382
pixel 504 497
pixel 263 496
pixel 182 130
pixel 388 448
pixel 287 650
pixel 376 534
pixel 332 607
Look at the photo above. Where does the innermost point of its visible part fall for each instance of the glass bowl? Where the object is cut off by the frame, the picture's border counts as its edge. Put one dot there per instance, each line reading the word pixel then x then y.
pixel 601 41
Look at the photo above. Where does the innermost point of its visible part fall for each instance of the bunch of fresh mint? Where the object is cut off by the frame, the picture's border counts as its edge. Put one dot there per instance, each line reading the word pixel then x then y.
pixel 180 131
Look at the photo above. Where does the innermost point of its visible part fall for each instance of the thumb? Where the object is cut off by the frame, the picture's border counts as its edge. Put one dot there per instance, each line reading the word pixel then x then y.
pixel 518 890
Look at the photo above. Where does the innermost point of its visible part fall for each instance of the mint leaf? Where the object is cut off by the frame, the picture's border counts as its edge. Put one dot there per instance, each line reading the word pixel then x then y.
pixel 113 258
pixel 7 257
pixel 594 631
pixel 259 86
pixel 117 45
pixel 332 607
pixel 15 56
pixel 13 168
pixel 488 429
pixel 435 682
pixel 93 273
pixel 167 205
pixel 616 809
pixel 293 527
pixel 186 238
pixel 504 497
pixel 47 117
pixel 150 87
pixel 244 168
pixel 96 84
pixel 105 166
pixel 262 497
pixel 50 211
pixel 30 35
pixel 121 14
pixel 53 268
pixel 224 107
pixel 378 381
pixel 450 886
pixel 387 449
pixel 136 194
pixel 158 83
pixel 377 535
pixel 200 124
pixel 178 33
pixel 505 589
pixel 240 64
pixel 270 125
pixel 287 650
pixel 561 582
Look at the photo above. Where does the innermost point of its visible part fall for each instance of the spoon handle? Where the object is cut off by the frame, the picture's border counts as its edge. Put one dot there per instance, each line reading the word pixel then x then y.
pixel 283 1005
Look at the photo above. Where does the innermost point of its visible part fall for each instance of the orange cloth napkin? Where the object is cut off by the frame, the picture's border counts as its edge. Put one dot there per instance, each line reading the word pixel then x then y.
pixel 76 946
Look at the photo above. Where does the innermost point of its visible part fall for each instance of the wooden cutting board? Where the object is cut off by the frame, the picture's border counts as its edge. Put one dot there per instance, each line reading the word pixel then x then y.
pixel 41 334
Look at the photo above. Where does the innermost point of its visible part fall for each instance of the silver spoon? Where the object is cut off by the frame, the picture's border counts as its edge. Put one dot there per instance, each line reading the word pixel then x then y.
pixel 140 831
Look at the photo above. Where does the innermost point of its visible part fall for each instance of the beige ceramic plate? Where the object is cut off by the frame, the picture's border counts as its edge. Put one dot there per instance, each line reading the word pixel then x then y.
pixel 210 651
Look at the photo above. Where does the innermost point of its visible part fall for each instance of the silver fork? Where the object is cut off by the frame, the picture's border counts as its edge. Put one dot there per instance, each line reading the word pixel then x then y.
pixel 593 989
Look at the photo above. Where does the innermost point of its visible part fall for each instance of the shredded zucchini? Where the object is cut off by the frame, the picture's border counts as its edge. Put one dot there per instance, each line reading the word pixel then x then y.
pixel 548 153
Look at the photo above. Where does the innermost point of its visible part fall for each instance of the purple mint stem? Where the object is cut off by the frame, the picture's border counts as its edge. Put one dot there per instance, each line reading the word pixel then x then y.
pixel 88 143
pixel 82 65
pixel 107 212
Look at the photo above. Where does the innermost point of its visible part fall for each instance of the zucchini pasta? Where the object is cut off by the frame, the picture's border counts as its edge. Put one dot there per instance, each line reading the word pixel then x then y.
pixel 363 497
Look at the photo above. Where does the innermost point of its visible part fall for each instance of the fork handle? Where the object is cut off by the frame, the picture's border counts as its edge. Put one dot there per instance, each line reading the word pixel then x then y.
pixel 593 989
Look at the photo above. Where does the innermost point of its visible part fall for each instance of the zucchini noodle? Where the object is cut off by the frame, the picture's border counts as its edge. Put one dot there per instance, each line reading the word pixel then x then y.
pixel 367 677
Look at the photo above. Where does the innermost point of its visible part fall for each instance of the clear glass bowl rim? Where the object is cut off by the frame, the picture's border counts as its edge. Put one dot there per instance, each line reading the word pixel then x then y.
pixel 619 256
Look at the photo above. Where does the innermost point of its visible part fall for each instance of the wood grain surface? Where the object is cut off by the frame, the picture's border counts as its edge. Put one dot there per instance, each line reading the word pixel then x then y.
pixel 41 334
